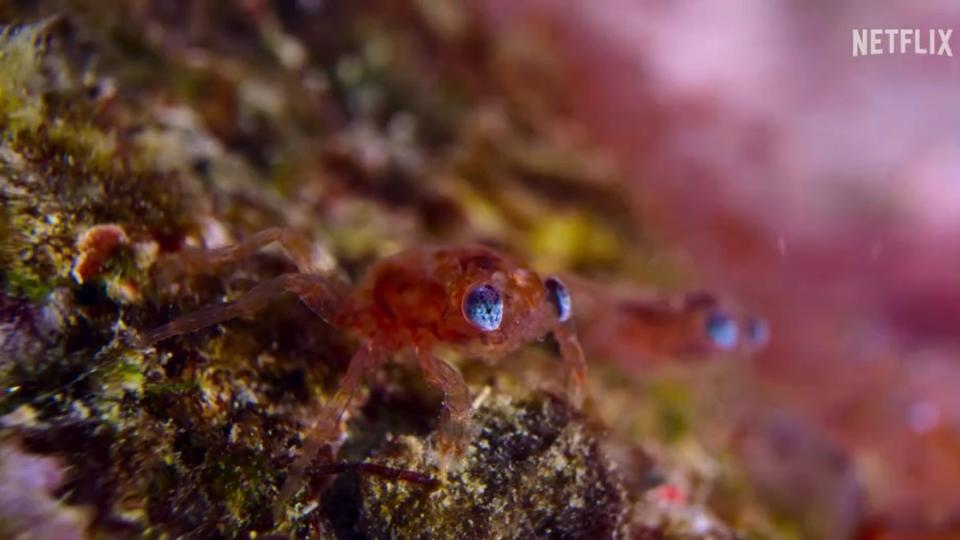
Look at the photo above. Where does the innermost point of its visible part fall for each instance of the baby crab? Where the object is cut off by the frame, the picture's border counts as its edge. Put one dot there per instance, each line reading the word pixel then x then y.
pixel 479 301
pixel 638 329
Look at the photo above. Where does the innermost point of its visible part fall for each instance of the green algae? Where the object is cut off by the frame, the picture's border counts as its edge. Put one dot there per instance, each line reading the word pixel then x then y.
pixel 21 53
pixel 62 173
pixel 533 471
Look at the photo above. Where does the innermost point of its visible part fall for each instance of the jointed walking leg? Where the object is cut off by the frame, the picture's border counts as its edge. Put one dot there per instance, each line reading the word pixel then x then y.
pixel 456 403
pixel 309 258
pixel 315 291
pixel 572 355
pixel 326 427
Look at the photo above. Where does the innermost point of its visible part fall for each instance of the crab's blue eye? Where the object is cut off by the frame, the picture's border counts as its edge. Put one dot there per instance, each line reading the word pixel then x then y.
pixel 758 332
pixel 722 330
pixel 559 297
pixel 483 307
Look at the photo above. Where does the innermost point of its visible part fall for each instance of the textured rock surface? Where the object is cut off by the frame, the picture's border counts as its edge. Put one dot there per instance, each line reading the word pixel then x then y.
pixel 534 471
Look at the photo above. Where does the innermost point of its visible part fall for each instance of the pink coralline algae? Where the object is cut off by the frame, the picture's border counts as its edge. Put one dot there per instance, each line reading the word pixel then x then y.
pixel 28 506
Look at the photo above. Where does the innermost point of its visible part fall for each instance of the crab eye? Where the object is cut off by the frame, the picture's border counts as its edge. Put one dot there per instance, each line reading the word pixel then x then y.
pixel 722 330
pixel 560 298
pixel 483 307
pixel 758 332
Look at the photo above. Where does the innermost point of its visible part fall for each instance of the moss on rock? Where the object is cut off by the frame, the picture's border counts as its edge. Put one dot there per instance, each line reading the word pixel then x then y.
pixel 534 470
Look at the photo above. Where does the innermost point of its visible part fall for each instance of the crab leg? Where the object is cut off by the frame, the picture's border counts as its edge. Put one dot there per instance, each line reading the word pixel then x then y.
pixel 326 427
pixel 315 291
pixel 456 401
pixel 572 355
pixel 309 258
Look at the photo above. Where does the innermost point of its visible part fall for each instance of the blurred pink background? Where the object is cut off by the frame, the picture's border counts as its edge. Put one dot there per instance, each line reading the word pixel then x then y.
pixel 821 189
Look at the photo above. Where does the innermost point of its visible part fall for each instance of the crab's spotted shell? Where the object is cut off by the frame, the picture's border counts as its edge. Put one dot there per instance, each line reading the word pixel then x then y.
pixel 483 307
pixel 722 330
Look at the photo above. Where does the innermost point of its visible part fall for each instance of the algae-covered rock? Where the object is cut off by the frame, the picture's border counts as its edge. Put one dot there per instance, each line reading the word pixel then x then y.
pixel 534 471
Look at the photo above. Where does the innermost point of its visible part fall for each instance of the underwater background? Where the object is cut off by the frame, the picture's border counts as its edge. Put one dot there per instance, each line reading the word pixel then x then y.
pixel 654 155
